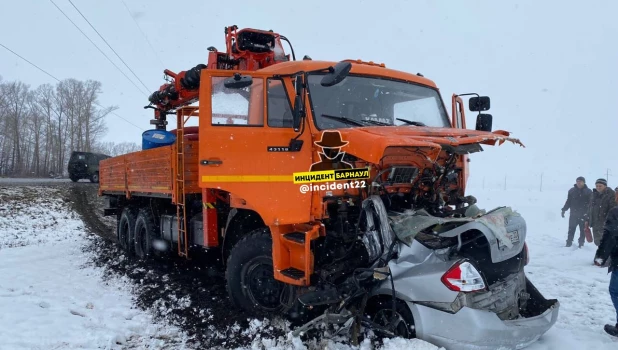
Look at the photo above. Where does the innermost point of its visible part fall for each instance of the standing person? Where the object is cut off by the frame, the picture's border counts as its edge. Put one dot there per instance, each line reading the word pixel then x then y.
pixel 608 250
pixel 603 199
pixel 577 201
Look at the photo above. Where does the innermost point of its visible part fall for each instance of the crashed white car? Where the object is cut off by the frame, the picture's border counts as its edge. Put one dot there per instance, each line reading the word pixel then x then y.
pixel 456 282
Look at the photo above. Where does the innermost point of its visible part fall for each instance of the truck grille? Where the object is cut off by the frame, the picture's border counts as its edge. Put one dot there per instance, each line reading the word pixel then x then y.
pixel 401 175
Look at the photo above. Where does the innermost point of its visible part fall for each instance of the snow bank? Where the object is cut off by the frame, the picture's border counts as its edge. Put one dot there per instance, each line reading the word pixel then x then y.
pixel 48 298
pixel 35 215
pixel 296 344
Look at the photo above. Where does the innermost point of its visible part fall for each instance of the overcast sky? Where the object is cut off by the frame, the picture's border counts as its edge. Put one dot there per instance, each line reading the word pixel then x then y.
pixel 550 67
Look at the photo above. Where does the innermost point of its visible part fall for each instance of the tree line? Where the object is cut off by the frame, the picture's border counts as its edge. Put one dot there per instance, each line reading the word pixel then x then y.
pixel 39 128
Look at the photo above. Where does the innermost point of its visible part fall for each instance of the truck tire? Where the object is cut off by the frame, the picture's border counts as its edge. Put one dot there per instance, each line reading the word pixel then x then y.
pixel 126 230
pixel 249 274
pixel 95 178
pixel 73 178
pixel 144 234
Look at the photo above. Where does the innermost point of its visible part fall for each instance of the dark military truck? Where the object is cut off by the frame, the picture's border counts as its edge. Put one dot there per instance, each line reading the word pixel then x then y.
pixel 85 165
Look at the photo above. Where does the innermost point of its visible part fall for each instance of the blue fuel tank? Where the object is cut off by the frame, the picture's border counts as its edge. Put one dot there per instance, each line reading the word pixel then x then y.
pixel 157 138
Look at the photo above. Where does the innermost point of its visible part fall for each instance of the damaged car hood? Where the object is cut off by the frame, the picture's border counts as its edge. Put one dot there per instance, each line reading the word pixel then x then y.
pixel 503 227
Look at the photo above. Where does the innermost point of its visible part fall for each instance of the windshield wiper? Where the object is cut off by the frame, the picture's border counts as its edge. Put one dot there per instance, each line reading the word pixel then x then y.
pixel 344 119
pixel 375 122
pixel 410 122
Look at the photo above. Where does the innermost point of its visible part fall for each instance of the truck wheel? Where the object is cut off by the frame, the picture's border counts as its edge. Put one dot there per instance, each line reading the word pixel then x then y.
pixel 251 284
pixel 74 178
pixel 380 311
pixel 144 234
pixel 126 230
pixel 95 177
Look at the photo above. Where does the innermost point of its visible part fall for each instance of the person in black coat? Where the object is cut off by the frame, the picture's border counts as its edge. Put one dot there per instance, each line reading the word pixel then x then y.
pixel 577 201
pixel 607 253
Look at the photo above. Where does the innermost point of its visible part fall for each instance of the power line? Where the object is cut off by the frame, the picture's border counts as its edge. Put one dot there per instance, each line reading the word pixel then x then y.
pixel 101 51
pixel 111 48
pixel 37 67
pixel 144 34
pixel 58 80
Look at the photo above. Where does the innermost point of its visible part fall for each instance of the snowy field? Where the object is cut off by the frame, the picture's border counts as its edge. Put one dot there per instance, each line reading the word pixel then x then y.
pixel 51 297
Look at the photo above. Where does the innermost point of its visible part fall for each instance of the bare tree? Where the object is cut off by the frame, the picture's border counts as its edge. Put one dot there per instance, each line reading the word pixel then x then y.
pixel 16 97
pixel 116 149
pixel 40 128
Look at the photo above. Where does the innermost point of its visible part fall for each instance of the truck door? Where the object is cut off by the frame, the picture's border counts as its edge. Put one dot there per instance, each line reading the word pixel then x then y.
pixel 244 139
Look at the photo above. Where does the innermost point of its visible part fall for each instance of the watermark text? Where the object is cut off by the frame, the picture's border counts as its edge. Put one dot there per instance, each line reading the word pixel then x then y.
pixel 331 186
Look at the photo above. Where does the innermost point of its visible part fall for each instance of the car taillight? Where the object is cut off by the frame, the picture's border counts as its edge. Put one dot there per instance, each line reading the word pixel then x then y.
pixel 527 254
pixel 463 277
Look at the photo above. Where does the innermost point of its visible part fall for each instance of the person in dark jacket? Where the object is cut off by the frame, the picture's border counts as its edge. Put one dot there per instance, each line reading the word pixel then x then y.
pixel 577 201
pixel 607 253
pixel 603 199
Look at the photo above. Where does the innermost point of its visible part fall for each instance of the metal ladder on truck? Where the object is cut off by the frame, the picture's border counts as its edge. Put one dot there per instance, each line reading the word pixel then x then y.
pixel 183 114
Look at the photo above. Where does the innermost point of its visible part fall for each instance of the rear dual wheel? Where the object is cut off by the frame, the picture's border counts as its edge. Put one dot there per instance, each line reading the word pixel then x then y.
pixel 144 234
pixel 126 230
pixel 136 232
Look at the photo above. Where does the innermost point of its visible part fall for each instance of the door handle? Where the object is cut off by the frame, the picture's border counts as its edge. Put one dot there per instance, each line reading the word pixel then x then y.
pixel 210 162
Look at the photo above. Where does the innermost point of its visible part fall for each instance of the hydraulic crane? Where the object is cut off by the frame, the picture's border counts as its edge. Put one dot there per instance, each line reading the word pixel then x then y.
pixel 246 49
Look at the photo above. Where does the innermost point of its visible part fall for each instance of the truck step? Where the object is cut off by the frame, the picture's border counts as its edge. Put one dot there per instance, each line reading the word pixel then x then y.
pixel 298 237
pixel 293 273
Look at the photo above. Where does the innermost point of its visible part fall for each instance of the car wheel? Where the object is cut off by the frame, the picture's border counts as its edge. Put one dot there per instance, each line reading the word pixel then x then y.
pixel 380 311
pixel 251 283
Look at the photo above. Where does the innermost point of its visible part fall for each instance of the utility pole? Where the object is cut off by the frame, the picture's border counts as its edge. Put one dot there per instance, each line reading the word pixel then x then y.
pixel 607 174
pixel 505 182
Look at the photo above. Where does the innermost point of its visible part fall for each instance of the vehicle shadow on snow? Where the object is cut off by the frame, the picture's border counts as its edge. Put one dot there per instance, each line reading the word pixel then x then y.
pixel 190 294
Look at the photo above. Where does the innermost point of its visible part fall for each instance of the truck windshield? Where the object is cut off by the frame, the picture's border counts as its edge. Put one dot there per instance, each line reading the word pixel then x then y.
pixel 359 101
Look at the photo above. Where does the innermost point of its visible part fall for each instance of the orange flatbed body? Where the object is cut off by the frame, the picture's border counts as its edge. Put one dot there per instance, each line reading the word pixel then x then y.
pixel 149 172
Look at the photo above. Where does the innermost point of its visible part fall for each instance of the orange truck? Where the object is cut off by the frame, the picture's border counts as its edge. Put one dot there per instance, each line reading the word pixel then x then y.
pixel 283 156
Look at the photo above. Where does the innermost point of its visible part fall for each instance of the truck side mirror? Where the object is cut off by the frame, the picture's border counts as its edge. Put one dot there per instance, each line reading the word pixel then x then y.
pixel 238 81
pixel 483 122
pixel 298 112
pixel 336 74
pixel 479 104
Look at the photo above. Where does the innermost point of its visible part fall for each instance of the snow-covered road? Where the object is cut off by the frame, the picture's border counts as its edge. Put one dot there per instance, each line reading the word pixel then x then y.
pixel 51 298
